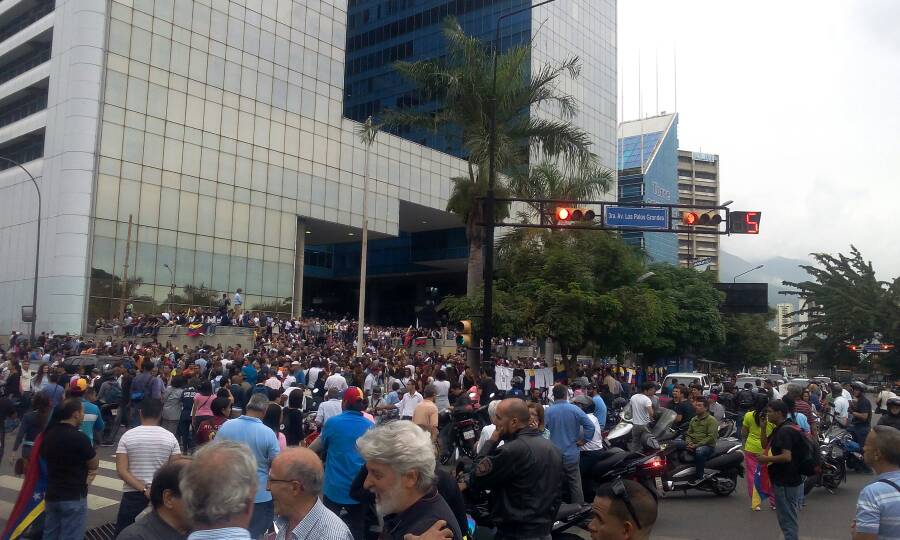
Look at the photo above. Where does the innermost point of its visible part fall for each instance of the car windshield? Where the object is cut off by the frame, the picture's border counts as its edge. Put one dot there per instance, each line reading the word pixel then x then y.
pixel 684 379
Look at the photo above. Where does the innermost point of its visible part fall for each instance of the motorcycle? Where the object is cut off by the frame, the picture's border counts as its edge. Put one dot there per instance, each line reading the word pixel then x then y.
pixel 459 431
pixel 833 452
pixel 620 435
pixel 720 472
pixel 647 470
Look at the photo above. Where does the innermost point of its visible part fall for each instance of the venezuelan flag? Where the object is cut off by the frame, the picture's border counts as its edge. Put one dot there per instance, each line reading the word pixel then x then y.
pixel 30 503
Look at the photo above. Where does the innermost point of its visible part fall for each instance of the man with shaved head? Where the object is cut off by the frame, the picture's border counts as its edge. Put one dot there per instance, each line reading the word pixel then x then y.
pixel 525 475
pixel 295 480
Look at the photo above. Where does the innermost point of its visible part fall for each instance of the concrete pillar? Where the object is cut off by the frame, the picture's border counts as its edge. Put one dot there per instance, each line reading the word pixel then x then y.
pixel 299 262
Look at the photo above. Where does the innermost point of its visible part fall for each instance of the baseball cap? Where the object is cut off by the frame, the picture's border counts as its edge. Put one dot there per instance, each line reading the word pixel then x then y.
pixel 352 396
pixel 78 386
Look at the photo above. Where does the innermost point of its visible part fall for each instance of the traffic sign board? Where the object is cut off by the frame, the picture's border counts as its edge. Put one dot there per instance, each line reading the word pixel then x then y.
pixel 632 216
pixel 872 347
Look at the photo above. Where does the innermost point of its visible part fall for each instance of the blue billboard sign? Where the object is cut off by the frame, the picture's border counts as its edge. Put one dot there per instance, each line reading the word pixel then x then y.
pixel 635 216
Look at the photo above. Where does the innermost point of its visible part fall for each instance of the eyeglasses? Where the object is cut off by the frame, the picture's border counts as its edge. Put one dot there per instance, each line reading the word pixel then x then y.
pixel 286 481
pixel 618 489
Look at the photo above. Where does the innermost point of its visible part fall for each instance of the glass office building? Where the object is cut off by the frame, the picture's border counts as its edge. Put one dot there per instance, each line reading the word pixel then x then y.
pixel 217 127
pixel 381 32
pixel 648 173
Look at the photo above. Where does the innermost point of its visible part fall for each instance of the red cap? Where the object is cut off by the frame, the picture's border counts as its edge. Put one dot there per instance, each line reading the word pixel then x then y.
pixel 353 395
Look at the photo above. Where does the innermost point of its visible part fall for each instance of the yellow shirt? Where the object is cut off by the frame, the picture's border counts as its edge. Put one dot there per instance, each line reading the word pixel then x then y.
pixel 753 443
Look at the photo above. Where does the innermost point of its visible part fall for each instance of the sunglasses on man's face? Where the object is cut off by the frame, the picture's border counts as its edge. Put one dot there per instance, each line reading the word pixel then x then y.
pixel 618 489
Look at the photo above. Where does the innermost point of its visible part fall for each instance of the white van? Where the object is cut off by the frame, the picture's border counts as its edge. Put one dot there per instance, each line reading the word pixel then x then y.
pixel 687 379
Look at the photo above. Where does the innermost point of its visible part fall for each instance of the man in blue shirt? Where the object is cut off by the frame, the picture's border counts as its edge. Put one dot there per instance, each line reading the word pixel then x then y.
pixel 599 407
pixel 343 462
pixel 878 507
pixel 250 430
pixel 569 427
pixel 249 371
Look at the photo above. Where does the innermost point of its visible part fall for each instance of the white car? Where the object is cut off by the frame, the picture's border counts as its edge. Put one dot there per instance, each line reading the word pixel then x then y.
pixel 687 379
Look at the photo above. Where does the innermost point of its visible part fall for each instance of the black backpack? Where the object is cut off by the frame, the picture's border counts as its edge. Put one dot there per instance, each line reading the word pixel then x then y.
pixel 745 398
pixel 808 459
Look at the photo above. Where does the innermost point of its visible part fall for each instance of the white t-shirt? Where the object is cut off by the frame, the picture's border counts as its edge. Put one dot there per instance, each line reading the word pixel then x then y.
pixel 336 381
pixel 312 376
pixel 639 405
pixel 841 409
pixel 596 442
pixel 442 395
pixel 486 433
pixel 328 409
pixel 148 449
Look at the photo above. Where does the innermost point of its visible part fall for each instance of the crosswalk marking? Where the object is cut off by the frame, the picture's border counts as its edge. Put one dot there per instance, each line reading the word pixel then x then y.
pixel 108 483
pixel 94 502
pixel 6 509
pixel 108 465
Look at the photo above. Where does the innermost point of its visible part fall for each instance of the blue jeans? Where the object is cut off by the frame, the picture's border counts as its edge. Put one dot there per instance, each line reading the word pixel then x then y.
pixel 262 518
pixel 65 520
pixel 787 506
pixel 701 454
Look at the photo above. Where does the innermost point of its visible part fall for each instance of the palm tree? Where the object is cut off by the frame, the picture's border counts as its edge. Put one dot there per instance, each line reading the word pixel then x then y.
pixel 461 85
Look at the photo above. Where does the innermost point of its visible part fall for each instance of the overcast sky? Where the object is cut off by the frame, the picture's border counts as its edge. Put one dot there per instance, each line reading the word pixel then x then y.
pixel 800 99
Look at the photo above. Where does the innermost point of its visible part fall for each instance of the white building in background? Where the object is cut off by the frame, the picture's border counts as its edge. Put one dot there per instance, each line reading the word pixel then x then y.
pixel 217 126
pixel 783 320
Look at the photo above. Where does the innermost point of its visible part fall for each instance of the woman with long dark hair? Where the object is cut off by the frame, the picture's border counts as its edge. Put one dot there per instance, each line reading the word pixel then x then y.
pixel 273 420
pixel 202 404
pixel 755 431
pixel 41 379
pixel 33 423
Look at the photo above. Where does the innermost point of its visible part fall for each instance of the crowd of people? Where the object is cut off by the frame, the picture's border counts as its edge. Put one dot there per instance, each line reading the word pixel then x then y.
pixel 216 440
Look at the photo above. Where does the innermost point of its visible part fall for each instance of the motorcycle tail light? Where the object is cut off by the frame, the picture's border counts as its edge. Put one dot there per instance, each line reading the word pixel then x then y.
pixel 655 463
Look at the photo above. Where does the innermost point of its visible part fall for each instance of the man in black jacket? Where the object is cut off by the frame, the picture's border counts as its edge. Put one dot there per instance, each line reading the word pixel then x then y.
pixel 525 476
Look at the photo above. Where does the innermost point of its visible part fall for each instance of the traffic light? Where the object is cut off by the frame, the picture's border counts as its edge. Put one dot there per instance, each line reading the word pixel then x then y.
pixel 569 215
pixel 742 222
pixel 464 334
pixel 706 219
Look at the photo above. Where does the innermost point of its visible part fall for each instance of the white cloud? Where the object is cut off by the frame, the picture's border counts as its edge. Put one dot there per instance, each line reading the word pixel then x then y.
pixel 800 101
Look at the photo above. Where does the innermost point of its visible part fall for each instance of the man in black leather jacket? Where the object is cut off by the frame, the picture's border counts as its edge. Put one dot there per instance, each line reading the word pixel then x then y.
pixel 525 476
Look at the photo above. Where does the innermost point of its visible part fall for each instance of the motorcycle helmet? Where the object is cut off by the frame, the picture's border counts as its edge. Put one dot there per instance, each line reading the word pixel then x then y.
pixel 894 402
pixel 856 385
pixel 619 403
pixel 584 403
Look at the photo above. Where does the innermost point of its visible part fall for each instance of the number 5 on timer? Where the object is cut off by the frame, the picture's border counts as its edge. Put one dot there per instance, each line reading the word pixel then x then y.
pixel 742 222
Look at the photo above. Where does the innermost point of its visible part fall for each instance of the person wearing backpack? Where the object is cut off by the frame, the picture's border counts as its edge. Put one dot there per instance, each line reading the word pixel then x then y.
pixel 879 502
pixel 786 452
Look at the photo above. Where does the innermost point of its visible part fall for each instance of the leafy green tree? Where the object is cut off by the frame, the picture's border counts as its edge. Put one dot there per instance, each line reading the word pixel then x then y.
pixel 748 341
pixel 846 302
pixel 460 84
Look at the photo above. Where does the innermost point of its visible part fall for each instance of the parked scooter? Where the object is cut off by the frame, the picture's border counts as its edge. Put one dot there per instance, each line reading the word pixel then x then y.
pixel 647 470
pixel 459 431
pixel 719 474
pixel 662 430
pixel 833 454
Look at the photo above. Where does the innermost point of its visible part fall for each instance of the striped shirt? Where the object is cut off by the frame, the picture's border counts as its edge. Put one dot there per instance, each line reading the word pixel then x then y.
pixel 228 533
pixel 878 508
pixel 319 524
pixel 148 448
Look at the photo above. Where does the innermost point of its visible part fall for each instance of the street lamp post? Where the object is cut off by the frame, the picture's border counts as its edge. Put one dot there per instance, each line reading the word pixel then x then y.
pixel 367 133
pixel 37 246
pixel 747 272
pixel 489 199
pixel 171 285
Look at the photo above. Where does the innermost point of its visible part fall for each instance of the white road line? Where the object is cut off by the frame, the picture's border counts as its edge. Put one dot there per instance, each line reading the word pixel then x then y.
pixel 114 484
pixel 108 465
pixel 6 509
pixel 94 502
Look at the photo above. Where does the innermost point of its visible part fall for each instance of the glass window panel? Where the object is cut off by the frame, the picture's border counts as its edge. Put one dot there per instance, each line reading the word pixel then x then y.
pixel 150 209
pixel 184 266
pixel 254 276
pixel 203 265
pixel 133 149
pixel 102 259
pixel 111 140
pixel 285 280
pixel 191 160
pixel 220 272
pixel 222 223
pixel 165 256
pixel 258 221
pixel 172 155
pixel 206 215
pixel 187 212
pixel 241 222
pixel 140 44
pixel 237 274
pixel 270 278
pixel 107 190
pixel 168 208
pixel 145 265
pixel 129 199
pixel 116 85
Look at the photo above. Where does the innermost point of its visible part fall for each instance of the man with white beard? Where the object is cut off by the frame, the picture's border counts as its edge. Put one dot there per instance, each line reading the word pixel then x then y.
pixel 400 462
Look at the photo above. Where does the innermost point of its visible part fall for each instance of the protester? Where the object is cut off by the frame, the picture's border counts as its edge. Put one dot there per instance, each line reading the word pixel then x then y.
pixel 207 430
pixel 71 466
pixel 329 408
pixel 878 506
pixel 787 448
pixel 172 406
pixel 410 401
pixel 683 408
pixel 342 463
pixel 400 461
pixel 218 489
pixel 168 520
pixel 263 444
pixel 272 420
pixel 33 423
pixel 525 477
pixel 141 452
pixel 569 426
pixel 755 439
pixel 425 415
pixel 892 416
pixel 641 416
pixel 622 510
pixel 860 413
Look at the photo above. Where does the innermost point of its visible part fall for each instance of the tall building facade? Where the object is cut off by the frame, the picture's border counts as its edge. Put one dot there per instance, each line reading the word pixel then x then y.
pixel 698 183
pixel 784 320
pixel 381 32
pixel 217 128
pixel 647 164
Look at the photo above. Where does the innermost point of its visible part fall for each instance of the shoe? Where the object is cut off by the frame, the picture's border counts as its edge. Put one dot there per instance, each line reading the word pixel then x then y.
pixel 756 509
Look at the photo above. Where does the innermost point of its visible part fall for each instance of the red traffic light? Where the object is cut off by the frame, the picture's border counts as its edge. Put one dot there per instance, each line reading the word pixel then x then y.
pixel 689 218
pixel 574 214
